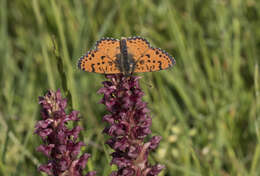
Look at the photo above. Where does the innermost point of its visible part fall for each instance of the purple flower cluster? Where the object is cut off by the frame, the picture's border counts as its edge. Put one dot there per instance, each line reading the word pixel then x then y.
pixel 60 143
pixel 129 124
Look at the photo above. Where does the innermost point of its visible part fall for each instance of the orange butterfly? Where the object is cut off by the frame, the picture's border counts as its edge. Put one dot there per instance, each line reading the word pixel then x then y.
pixel 127 56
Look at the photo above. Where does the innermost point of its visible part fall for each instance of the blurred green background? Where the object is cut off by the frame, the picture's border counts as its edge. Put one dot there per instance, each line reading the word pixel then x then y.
pixel 206 108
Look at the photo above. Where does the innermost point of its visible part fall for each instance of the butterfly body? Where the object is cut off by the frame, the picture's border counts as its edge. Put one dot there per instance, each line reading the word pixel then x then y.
pixel 125 61
pixel 127 56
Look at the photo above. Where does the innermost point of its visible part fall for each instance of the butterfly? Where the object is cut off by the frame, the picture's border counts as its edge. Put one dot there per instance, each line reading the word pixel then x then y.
pixel 127 55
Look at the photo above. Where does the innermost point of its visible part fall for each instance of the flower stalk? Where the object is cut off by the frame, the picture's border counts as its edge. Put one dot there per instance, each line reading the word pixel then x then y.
pixel 128 125
pixel 61 145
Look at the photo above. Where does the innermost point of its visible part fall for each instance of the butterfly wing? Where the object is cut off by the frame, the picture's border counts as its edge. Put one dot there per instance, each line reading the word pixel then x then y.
pixel 137 46
pixel 147 58
pixel 154 59
pixel 102 58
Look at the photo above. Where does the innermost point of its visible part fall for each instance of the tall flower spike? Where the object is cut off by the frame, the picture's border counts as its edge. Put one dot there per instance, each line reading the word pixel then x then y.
pixel 60 143
pixel 128 125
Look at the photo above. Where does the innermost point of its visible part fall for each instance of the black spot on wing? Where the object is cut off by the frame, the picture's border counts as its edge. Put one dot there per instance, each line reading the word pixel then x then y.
pixel 80 62
pixel 93 68
pixel 160 65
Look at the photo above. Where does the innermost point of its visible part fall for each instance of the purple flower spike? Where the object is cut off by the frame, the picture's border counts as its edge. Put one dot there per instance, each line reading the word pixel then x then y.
pixel 60 143
pixel 128 124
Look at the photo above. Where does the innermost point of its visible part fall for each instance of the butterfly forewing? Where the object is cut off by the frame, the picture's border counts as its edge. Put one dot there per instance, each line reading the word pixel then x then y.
pixel 102 58
pixel 147 58
pixel 137 46
pixel 154 59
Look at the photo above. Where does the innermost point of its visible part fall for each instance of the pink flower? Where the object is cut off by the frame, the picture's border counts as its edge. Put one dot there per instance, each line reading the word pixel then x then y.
pixel 128 125
pixel 60 143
